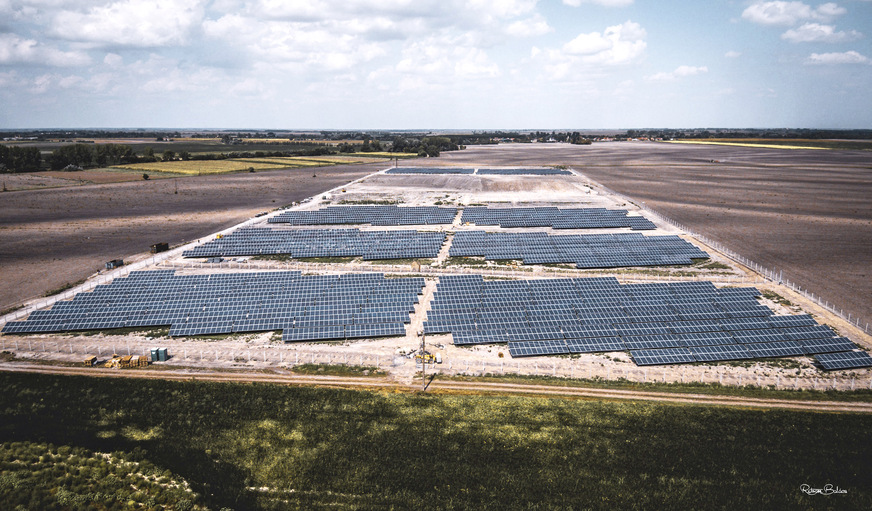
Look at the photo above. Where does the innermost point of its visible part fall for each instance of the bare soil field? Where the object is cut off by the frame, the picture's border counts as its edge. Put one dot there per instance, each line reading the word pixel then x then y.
pixel 51 237
pixel 806 212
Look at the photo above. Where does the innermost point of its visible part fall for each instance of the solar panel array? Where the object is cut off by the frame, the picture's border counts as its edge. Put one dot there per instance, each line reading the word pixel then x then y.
pixel 570 218
pixel 305 308
pixel 586 251
pixel 524 172
pixel 848 360
pixel 663 323
pixel 429 170
pixel 374 215
pixel 370 245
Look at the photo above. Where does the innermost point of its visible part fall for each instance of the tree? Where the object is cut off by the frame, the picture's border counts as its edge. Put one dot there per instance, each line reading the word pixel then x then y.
pixel 169 155
pixel 19 159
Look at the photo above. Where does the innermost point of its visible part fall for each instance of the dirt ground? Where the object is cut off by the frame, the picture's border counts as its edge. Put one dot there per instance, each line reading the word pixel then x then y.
pixel 51 237
pixel 805 212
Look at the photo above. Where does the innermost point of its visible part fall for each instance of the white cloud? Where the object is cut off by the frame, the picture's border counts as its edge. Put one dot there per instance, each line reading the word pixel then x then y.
pixel 848 57
pixel 606 3
pixel 113 60
pixel 817 33
pixel 137 23
pixel 14 49
pixel 732 54
pixel 618 44
pixel 536 25
pixel 790 13
pixel 679 72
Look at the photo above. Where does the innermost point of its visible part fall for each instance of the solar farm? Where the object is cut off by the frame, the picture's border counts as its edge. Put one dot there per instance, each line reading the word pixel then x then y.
pixel 489 264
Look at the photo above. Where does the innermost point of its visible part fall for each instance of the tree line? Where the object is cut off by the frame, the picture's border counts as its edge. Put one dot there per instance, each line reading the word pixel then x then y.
pixel 19 159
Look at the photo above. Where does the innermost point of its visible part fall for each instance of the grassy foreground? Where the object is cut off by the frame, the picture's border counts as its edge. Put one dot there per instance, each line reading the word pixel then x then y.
pixel 274 447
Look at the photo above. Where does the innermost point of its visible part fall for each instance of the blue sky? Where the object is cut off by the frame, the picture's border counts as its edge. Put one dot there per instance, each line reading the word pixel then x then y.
pixel 440 64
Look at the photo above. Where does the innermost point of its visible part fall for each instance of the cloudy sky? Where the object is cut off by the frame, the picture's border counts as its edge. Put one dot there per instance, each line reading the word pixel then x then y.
pixel 441 64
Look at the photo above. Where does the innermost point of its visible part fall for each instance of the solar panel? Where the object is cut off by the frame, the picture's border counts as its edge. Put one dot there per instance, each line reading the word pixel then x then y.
pixel 300 243
pixel 846 360
pixel 597 345
pixel 534 348
pixel 662 356
pixel 305 307
pixel 832 345
pixel 585 251
pixel 775 349
pixel 719 353
pixel 374 215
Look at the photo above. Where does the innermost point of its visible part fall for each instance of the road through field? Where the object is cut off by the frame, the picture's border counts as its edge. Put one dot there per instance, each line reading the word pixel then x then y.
pixel 806 212
pixel 373 383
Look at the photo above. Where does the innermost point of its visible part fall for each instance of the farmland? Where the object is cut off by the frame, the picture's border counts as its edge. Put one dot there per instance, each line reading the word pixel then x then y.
pixel 265 446
pixel 854 145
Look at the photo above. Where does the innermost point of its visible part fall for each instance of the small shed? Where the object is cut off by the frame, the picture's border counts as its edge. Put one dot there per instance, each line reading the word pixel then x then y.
pixel 115 263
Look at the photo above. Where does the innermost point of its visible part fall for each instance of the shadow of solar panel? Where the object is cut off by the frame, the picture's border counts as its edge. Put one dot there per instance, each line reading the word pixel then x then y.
pixel 662 356
pixel 847 360
pixel 720 352
pixel 833 345
pixel 775 349
pixel 535 348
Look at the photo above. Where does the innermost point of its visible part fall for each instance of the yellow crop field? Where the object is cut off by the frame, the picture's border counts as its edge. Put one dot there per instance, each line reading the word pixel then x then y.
pixel 746 144
pixel 195 167
pixel 282 162
pixel 385 154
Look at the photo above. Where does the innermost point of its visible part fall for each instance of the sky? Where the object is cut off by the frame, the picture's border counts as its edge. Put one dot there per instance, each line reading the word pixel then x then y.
pixel 435 64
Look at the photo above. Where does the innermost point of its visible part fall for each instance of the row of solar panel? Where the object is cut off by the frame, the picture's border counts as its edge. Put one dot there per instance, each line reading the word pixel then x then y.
pixel 191 305
pixel 829 361
pixel 683 354
pixel 553 316
pixel 374 215
pixel 600 252
pixel 557 218
pixel 324 243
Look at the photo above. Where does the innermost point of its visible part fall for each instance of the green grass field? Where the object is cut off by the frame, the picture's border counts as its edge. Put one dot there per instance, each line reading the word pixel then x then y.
pixel 254 446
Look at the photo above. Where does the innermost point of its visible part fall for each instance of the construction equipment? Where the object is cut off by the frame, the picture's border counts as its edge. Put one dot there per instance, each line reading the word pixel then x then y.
pixel 90 361
pixel 119 362
pixel 425 357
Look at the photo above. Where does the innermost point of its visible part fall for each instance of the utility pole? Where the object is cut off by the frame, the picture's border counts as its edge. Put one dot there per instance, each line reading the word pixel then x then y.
pixel 423 362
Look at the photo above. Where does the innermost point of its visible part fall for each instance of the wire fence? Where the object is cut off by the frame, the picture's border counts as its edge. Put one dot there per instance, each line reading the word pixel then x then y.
pixel 602 369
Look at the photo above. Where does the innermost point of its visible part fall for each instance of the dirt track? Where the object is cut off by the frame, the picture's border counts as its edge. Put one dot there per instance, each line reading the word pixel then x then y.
pixel 450 386
pixel 805 212
pixel 54 236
